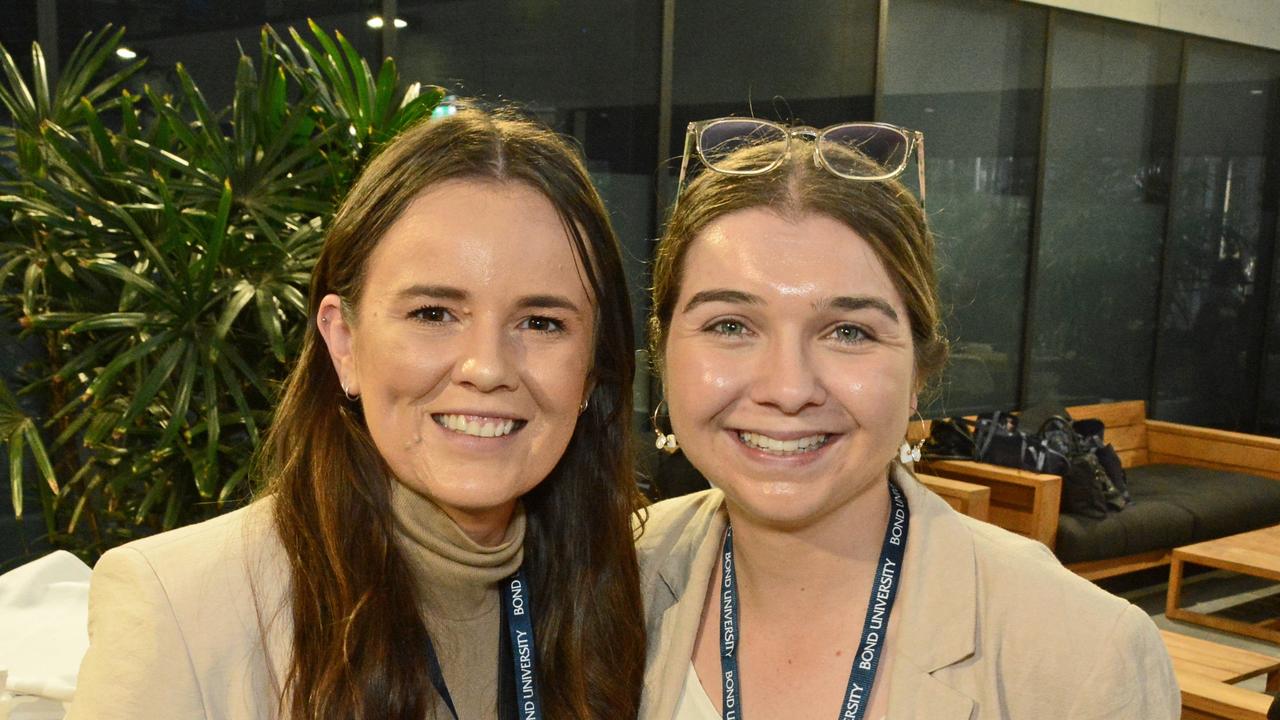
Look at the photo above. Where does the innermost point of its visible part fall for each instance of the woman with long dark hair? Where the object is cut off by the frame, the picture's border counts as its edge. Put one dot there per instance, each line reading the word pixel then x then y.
pixel 445 530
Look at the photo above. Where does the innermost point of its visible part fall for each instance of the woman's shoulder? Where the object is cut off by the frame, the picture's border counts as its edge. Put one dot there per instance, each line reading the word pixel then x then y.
pixel 231 562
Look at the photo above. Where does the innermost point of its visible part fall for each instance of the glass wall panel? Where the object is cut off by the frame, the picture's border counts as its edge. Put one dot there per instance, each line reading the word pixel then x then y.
pixel 814 65
pixel 588 69
pixel 1221 232
pixel 206 37
pixel 1269 406
pixel 970 76
pixel 1109 144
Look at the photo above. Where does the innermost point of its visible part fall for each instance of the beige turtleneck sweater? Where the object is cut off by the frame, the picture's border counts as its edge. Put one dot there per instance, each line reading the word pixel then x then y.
pixel 457 586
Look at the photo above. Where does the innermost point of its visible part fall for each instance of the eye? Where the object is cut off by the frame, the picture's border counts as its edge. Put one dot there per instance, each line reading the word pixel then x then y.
pixel 849 334
pixel 432 314
pixel 728 328
pixel 543 324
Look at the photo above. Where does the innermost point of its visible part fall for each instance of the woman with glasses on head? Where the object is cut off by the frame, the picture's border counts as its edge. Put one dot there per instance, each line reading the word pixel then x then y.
pixel 795 322
pixel 446 528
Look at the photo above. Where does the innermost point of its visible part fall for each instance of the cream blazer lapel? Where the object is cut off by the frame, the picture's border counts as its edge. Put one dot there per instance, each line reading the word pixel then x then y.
pixel 675 589
pixel 937 609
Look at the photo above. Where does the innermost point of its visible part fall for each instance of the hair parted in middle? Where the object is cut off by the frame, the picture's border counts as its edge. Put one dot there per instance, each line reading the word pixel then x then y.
pixel 882 212
pixel 350 584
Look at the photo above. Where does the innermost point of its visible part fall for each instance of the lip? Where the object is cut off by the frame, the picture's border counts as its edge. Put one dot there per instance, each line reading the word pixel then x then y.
pixel 494 414
pixel 797 460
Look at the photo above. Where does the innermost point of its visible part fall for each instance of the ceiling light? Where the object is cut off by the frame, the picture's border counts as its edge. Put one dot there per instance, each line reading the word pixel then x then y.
pixel 1255 91
pixel 376 23
pixel 125 53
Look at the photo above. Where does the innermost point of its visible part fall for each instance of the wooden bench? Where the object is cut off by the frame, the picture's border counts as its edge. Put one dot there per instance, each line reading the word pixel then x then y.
pixel 1027 503
pixel 1206 672
pixel 967 498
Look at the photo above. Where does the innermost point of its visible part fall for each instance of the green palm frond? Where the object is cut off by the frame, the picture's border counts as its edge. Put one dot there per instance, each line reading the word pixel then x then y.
pixel 159 254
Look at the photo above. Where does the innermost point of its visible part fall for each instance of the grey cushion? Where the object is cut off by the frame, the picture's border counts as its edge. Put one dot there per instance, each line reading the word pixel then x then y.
pixel 1172 505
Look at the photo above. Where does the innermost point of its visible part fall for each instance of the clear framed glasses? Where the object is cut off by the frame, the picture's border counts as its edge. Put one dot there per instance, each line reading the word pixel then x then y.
pixel 854 151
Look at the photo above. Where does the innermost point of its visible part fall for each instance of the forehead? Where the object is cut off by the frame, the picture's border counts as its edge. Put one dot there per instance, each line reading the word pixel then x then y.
pixel 807 257
pixel 481 234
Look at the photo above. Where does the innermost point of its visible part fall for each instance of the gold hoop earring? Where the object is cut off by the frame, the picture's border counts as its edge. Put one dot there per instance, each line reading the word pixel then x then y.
pixel 665 442
pixel 585 404
pixel 348 395
pixel 909 453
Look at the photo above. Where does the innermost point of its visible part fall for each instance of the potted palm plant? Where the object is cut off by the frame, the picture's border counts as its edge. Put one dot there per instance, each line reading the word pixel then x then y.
pixel 156 252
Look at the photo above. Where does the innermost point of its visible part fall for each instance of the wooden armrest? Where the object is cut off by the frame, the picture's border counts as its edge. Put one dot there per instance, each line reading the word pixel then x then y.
pixel 1218 699
pixel 1023 502
pixel 968 498
pixel 1206 447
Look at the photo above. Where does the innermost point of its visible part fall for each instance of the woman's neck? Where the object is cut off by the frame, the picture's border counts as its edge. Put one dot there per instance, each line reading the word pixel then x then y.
pixel 786 566
pixel 487 527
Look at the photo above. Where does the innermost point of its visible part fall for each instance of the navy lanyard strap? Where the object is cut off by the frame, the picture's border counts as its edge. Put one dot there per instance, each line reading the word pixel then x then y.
pixel 519 613
pixel 884 592
pixel 517 609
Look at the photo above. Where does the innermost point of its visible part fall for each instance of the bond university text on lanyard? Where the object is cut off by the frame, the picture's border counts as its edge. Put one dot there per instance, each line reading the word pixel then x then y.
pixel 517 609
pixel 883 592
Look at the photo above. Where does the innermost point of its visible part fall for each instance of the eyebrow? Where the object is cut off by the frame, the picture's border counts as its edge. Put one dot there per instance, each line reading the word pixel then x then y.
pixel 736 297
pixel 445 292
pixel 859 302
pixel 559 302
pixel 441 292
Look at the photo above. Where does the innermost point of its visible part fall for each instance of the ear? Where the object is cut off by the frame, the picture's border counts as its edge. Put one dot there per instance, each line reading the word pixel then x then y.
pixel 915 402
pixel 339 337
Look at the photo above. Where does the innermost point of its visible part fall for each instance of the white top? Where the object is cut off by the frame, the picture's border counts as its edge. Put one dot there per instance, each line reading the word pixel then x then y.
pixel 694 703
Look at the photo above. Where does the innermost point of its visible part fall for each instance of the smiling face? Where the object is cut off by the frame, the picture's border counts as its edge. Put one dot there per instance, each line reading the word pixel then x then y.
pixel 471 347
pixel 789 365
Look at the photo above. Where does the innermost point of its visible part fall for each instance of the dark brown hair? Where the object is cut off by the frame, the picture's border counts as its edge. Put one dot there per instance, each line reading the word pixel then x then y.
pixel 884 213
pixel 358 640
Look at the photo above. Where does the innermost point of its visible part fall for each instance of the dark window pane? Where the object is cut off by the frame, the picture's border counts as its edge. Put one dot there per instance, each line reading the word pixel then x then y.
pixel 1112 106
pixel 588 69
pixel 970 76
pixel 813 64
pixel 1221 232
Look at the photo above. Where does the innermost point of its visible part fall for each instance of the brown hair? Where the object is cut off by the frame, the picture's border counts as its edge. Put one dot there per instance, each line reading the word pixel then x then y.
pixel 358 640
pixel 884 213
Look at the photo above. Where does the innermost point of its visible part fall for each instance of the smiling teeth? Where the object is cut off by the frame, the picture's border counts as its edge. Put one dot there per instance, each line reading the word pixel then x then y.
pixel 782 447
pixel 475 425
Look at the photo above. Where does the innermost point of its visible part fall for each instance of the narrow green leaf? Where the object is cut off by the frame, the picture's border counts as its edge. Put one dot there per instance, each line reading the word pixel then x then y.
pixel 216 238
pixel 40 81
pixel 232 484
pixel 149 501
pixel 124 360
pixel 172 511
pixel 113 321
pixel 15 473
pixel 243 294
pixel 182 398
pixel 114 269
pixel 41 456
pixel 361 77
pixel 145 393
pixel 269 317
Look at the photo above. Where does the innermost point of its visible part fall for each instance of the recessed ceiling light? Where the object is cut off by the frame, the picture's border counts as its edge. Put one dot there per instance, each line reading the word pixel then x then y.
pixel 374 22
pixel 125 53
pixel 1255 91
pixel 401 24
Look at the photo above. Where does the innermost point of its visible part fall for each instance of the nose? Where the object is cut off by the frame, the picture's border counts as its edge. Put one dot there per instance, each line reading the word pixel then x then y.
pixel 487 359
pixel 786 377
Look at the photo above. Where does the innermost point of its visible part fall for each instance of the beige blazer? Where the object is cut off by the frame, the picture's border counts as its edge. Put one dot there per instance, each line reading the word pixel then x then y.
pixel 189 624
pixel 990 624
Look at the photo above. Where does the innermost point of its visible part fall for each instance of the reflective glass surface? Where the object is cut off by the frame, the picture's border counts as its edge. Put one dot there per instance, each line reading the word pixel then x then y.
pixel 1109 145
pixel 1222 225
pixel 969 76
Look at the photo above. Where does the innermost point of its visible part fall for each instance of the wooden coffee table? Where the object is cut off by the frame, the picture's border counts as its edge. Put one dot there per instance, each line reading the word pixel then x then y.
pixel 1255 553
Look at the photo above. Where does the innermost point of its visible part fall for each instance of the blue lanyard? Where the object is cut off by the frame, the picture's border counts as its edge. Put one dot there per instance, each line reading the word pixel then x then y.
pixel 866 661
pixel 517 608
